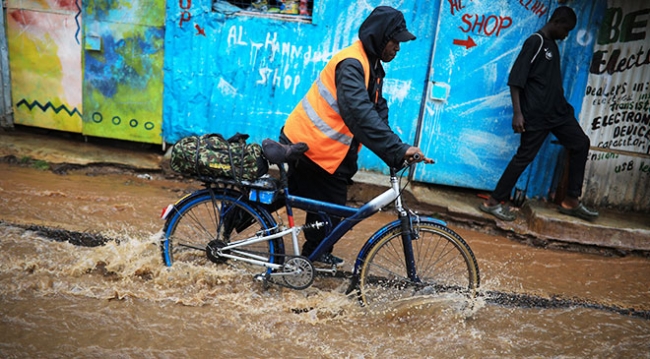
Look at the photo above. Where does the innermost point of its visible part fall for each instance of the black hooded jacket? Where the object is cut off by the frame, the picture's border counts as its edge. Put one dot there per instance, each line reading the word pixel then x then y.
pixel 368 121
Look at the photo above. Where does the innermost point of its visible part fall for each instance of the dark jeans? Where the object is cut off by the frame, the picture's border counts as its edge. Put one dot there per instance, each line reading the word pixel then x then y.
pixel 308 180
pixel 570 135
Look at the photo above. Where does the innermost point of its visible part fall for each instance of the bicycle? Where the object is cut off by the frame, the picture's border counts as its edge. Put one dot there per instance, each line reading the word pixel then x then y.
pixel 232 221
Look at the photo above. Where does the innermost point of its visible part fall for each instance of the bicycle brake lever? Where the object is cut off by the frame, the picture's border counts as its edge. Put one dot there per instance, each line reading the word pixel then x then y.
pixel 415 158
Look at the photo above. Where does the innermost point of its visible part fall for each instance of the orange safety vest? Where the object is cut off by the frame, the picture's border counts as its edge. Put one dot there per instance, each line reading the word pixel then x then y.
pixel 316 120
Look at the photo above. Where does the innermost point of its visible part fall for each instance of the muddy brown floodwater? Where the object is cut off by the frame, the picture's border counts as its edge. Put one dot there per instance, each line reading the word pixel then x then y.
pixel 117 300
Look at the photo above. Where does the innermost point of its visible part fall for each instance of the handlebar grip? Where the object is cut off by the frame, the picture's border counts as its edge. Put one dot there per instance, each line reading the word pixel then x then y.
pixel 416 157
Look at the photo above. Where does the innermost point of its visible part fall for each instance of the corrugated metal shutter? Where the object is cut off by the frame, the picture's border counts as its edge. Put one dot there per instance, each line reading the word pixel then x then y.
pixel 616 109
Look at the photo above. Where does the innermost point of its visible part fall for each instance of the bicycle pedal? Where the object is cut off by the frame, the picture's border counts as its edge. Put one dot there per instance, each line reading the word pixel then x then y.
pixel 332 270
pixel 262 278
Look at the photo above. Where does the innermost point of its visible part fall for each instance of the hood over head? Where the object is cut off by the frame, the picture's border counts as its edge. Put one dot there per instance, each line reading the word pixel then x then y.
pixel 383 24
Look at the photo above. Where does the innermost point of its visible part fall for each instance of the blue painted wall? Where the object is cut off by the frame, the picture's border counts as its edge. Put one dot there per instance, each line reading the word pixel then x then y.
pixel 231 73
pixel 239 73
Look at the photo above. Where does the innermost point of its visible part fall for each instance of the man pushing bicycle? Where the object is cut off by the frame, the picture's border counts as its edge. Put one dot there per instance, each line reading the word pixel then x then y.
pixel 343 110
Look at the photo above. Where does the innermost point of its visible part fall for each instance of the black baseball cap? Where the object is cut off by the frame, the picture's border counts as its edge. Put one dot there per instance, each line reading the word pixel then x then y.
pixel 401 33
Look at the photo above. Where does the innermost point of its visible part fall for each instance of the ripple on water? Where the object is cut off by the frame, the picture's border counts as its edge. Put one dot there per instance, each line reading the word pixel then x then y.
pixel 119 300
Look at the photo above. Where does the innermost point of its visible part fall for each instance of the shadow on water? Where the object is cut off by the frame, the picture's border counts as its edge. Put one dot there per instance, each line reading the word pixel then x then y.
pixel 533 301
pixel 85 239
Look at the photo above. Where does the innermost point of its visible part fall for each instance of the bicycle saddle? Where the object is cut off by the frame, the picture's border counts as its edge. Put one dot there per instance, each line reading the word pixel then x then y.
pixel 277 152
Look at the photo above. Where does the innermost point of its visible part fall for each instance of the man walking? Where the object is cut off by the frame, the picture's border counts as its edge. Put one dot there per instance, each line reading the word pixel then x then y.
pixel 539 108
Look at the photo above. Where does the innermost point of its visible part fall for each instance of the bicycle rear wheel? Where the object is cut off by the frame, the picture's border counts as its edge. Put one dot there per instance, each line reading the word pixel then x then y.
pixel 444 264
pixel 217 219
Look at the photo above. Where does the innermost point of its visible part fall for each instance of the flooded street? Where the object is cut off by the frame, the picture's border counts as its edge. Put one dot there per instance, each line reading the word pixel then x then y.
pixel 117 300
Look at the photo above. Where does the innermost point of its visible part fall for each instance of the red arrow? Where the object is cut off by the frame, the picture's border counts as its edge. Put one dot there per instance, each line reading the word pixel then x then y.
pixel 199 29
pixel 467 43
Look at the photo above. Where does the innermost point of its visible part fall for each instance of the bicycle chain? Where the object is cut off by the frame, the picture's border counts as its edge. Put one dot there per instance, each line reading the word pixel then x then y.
pixel 267 278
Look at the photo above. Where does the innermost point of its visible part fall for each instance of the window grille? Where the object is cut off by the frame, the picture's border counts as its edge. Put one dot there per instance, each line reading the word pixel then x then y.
pixel 300 10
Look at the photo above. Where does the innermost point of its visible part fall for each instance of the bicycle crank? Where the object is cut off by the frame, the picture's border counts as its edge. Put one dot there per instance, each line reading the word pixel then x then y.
pixel 298 272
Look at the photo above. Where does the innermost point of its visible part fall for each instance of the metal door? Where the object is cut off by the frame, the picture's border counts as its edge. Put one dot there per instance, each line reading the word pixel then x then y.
pixel 45 63
pixel 466 123
pixel 123 69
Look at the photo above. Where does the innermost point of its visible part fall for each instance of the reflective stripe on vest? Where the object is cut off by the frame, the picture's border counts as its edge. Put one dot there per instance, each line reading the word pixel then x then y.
pixel 316 119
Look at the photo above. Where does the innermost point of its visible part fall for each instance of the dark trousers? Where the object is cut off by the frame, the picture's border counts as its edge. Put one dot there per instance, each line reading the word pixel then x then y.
pixel 308 180
pixel 570 135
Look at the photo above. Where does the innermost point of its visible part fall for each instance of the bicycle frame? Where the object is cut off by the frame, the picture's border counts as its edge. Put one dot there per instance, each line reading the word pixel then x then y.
pixel 350 215
pixel 251 258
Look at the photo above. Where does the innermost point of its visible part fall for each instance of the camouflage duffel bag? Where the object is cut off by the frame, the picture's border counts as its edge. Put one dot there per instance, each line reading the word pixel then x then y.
pixel 213 156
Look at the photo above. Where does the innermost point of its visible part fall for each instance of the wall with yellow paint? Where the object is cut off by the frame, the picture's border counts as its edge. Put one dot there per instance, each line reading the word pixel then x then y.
pixel 101 77
pixel 45 63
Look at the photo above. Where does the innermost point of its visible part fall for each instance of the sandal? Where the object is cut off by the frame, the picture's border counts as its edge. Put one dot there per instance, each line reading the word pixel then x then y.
pixel 580 211
pixel 499 210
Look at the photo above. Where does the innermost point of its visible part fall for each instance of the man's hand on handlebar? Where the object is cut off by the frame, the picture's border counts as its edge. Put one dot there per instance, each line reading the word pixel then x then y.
pixel 414 154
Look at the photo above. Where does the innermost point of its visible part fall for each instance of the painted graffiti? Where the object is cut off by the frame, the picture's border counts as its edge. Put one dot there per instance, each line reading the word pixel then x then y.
pixel 48 106
pixel 619 164
pixel 620 109
pixel 487 25
pixel 625 166
pixel 273 59
pixel 601 156
pixel 618 27
pixel 611 62
pixel 97 117
pixel 627 128
pixel 536 7
pixel 455 5
pixel 467 43
pixel 630 166
pixel 644 167
pixel 235 35
pixel 186 14
pixel 481 24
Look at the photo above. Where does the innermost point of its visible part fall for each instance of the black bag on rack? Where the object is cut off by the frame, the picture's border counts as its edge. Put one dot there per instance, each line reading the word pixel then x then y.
pixel 213 156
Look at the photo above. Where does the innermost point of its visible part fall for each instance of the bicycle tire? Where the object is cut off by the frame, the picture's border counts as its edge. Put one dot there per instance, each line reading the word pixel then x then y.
pixel 445 264
pixel 206 216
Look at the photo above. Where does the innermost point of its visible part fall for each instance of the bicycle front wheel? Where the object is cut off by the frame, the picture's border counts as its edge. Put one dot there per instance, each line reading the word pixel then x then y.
pixel 443 264
pixel 216 219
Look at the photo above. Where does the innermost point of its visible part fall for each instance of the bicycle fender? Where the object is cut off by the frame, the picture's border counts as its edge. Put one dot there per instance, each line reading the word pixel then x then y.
pixel 396 224
pixel 167 210
pixel 181 201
